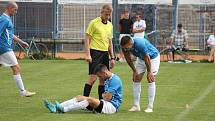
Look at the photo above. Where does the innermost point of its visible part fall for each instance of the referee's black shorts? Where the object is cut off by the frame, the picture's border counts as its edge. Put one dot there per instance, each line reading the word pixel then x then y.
pixel 98 57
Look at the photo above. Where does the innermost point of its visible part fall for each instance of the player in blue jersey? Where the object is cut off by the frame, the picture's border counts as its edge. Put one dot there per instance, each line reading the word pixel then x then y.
pixel 7 57
pixel 148 58
pixel 112 97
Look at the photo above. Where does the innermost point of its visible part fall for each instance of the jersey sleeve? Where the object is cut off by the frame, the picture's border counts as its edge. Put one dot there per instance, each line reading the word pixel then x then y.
pixel 3 25
pixel 90 28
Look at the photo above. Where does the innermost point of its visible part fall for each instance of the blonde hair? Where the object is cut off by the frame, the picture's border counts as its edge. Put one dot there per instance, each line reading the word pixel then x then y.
pixel 106 7
pixel 11 4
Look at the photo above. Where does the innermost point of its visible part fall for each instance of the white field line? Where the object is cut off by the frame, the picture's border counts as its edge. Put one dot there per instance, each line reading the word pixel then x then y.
pixel 195 103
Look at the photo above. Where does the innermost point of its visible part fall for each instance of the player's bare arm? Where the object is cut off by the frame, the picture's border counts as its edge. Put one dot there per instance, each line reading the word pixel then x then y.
pixel 150 76
pixel 129 60
pixel 141 30
pixel 131 64
pixel 24 44
pixel 134 30
pixel 110 51
pixel 87 46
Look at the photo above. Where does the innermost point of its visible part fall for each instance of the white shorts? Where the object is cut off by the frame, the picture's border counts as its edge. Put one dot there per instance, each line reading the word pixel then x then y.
pixel 141 66
pixel 8 59
pixel 108 108
pixel 122 35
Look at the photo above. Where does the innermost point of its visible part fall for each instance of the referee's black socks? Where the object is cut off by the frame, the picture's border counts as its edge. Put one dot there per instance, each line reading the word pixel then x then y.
pixel 87 90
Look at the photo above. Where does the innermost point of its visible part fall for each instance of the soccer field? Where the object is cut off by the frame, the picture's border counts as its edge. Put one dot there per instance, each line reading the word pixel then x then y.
pixel 185 92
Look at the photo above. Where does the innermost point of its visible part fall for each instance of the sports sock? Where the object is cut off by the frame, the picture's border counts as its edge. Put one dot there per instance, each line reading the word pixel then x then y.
pixel 68 102
pixel 87 90
pixel 136 93
pixel 19 82
pixel 101 91
pixel 151 94
pixel 76 105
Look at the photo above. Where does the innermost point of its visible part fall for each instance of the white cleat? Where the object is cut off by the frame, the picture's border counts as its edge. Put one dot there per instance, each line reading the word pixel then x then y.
pixel 27 93
pixel 134 108
pixel 148 110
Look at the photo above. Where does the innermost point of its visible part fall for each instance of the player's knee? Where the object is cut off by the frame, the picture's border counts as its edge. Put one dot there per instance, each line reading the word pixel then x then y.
pixel 16 69
pixel 90 100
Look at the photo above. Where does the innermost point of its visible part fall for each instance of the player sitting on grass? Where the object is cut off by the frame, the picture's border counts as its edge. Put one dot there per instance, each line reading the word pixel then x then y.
pixel 112 97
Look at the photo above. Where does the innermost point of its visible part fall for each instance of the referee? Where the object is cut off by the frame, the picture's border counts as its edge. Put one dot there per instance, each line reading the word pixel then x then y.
pixel 99 47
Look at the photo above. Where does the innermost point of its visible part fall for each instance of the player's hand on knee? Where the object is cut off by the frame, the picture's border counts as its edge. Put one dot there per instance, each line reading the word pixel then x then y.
pixel 135 77
pixel 150 77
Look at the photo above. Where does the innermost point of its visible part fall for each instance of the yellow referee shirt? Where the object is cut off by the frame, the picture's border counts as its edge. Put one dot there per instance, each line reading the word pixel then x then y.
pixel 100 34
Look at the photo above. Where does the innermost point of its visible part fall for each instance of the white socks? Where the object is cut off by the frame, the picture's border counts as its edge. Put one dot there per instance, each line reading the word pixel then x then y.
pixel 151 94
pixel 19 82
pixel 68 102
pixel 136 93
pixel 72 104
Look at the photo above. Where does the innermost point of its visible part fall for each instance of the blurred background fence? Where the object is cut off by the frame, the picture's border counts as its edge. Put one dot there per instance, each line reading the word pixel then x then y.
pixel 35 19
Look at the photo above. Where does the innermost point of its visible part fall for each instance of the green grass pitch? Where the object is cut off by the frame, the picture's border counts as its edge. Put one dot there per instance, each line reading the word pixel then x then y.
pixel 185 92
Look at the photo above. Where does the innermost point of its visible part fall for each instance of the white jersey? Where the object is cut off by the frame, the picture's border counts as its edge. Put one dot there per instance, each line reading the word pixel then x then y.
pixel 138 25
pixel 211 40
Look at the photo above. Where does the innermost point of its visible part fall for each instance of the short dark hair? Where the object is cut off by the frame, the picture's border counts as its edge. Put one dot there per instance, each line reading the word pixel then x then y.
pixel 179 25
pixel 125 40
pixel 100 68
pixel 139 13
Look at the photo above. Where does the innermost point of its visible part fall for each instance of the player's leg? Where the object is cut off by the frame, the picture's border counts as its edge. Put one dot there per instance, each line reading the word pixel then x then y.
pixel 170 53
pixel 9 59
pixel 100 106
pixel 211 53
pixel 79 102
pixel 155 63
pixel 186 55
pixel 137 85
pixel 92 77
pixel 170 56
pixel 88 86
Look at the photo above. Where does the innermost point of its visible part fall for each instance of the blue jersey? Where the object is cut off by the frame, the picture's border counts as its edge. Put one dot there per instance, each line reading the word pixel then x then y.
pixel 6 33
pixel 114 86
pixel 142 47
